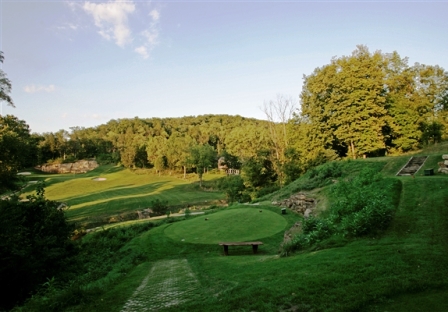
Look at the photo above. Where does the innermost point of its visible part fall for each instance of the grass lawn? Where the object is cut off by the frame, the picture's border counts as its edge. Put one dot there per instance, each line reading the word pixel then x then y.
pixel 184 269
pixel 121 191
pixel 405 269
pixel 237 224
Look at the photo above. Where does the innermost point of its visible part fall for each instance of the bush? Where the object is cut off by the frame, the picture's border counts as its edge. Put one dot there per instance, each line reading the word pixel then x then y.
pixel 159 207
pixel 233 186
pixel 362 206
pixel 34 245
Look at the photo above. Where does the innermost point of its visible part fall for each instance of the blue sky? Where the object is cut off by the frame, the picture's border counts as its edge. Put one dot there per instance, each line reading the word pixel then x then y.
pixel 83 63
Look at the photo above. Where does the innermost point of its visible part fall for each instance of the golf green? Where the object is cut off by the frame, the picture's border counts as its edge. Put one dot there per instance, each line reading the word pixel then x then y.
pixel 239 224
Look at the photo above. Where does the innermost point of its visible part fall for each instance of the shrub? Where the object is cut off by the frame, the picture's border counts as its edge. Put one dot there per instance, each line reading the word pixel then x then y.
pixel 159 207
pixel 34 245
pixel 361 206
pixel 233 186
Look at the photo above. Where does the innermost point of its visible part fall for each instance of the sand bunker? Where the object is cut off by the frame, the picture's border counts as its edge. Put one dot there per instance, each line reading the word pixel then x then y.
pixel 99 179
pixel 24 173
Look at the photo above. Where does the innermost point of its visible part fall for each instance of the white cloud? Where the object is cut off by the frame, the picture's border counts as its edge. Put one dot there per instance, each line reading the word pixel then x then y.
pixel 68 26
pixel 142 51
pixel 112 19
pixel 39 88
pixel 150 35
pixel 155 15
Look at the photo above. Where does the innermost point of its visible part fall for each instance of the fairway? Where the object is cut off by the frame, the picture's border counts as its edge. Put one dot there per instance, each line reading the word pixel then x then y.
pixel 239 224
pixel 110 190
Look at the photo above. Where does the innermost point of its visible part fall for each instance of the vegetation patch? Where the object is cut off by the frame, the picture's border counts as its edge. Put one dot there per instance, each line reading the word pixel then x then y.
pixel 363 205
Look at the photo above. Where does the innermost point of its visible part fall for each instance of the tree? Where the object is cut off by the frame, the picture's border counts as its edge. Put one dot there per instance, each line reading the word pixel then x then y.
pixel 16 146
pixel 34 245
pixel 178 151
pixel 201 157
pixel 258 172
pixel 233 186
pixel 5 85
pixel 278 114
pixel 346 100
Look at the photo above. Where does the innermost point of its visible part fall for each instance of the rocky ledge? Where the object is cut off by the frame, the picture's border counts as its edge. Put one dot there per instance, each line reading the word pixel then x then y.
pixel 81 166
pixel 300 203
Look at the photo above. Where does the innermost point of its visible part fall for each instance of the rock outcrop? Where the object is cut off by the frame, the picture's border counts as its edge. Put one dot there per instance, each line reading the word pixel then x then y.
pixel 300 203
pixel 81 166
pixel 443 165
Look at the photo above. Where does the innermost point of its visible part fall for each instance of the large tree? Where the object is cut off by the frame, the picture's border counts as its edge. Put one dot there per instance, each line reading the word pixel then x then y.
pixel 346 101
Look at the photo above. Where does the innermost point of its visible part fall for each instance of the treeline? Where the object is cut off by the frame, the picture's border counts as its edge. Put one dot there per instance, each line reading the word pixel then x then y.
pixel 362 105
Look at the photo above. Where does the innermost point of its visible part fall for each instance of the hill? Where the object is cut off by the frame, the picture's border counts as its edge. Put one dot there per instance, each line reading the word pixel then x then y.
pixel 400 268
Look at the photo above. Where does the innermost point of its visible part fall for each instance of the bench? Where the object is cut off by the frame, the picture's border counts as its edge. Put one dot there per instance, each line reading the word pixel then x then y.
pixel 227 244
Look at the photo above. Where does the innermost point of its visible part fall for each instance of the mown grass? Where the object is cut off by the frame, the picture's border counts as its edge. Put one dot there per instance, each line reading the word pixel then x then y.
pixel 122 191
pixel 234 224
pixel 404 268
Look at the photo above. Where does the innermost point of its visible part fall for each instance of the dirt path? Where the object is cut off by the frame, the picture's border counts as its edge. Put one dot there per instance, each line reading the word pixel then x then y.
pixel 169 283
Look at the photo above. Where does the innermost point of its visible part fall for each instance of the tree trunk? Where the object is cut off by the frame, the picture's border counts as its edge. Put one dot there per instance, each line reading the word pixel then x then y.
pixel 185 172
pixel 352 148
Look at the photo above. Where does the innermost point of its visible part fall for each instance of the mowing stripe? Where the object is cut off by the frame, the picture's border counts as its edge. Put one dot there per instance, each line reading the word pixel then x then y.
pixel 170 282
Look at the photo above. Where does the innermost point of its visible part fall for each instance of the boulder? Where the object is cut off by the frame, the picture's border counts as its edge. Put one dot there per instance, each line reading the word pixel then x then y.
pixel 445 157
pixel 298 202
pixel 81 166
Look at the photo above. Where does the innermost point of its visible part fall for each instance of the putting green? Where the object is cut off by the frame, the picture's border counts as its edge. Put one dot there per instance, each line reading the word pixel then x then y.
pixel 239 224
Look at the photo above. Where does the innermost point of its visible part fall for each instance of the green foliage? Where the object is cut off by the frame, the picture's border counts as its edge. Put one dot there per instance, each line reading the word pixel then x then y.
pixel 361 206
pixel 258 172
pixel 364 205
pixel 370 103
pixel 159 207
pixel 201 157
pixel 431 132
pixel 233 186
pixel 109 158
pixel 102 260
pixel 34 245
pixel 5 85
pixel 292 167
pixel 405 268
pixel 17 150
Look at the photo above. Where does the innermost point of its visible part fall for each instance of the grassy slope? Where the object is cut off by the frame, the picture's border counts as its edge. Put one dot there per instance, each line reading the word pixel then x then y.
pixel 122 191
pixel 406 269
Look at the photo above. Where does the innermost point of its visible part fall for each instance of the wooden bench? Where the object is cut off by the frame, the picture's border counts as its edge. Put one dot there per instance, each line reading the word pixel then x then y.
pixel 227 244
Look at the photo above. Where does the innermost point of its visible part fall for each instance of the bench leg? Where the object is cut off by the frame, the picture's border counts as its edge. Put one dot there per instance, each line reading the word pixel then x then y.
pixel 226 250
pixel 255 248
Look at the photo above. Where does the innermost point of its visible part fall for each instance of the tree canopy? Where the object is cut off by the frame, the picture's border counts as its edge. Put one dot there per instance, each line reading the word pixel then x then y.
pixel 371 103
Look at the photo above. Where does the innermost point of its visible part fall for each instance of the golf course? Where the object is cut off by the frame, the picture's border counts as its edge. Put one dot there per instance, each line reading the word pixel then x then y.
pixel 177 264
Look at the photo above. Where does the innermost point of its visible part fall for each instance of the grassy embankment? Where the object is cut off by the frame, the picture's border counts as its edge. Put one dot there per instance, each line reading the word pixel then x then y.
pixel 121 192
pixel 404 268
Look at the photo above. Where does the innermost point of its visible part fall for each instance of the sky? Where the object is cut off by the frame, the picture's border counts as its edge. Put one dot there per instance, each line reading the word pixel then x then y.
pixel 83 63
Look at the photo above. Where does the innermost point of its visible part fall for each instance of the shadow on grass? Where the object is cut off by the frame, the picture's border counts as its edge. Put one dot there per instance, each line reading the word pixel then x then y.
pixel 114 194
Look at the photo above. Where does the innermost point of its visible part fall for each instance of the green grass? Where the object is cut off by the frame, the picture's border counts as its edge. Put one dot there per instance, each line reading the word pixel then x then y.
pixel 238 224
pixel 403 269
pixel 122 191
